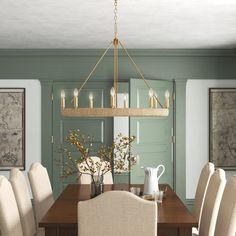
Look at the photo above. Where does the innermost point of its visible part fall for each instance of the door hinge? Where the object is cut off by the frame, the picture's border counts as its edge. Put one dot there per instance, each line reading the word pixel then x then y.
pixel 52 139
pixel 173 139
pixel 173 96
pixel 52 97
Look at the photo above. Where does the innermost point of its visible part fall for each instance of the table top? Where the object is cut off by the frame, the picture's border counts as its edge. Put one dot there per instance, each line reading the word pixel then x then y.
pixel 171 212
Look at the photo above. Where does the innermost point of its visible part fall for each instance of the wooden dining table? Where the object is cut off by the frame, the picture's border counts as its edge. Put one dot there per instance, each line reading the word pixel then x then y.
pixel 174 219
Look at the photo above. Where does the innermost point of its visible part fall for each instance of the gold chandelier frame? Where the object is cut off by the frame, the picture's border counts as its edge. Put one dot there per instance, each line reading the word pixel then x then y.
pixel 155 107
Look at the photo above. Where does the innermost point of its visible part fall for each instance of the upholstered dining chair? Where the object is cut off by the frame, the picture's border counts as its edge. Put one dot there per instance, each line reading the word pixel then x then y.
pixel 117 213
pixel 203 181
pixel 212 203
pixel 86 179
pixel 226 220
pixel 10 223
pixel 41 189
pixel 24 204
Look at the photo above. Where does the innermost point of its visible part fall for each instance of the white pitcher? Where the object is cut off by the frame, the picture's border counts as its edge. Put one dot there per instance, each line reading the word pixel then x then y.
pixel 151 179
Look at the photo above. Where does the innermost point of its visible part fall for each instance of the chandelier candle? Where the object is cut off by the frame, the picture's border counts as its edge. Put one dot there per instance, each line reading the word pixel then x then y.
pixel 125 100
pixel 91 100
pixel 76 102
pixel 113 98
pixel 63 102
pixel 167 96
pixel 150 98
pixel 155 100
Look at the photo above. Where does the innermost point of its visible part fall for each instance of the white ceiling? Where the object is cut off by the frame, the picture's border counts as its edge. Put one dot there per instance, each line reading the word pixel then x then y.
pixel 142 23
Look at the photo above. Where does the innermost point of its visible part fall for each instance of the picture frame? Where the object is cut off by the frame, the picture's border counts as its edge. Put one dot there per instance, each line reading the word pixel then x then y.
pixel 222 127
pixel 12 128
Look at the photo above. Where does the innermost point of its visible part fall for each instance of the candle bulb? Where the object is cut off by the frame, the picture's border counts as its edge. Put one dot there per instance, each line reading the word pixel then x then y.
pixel 63 102
pixel 167 96
pixel 125 100
pixel 112 92
pixel 150 98
pixel 91 100
pixel 155 100
pixel 76 102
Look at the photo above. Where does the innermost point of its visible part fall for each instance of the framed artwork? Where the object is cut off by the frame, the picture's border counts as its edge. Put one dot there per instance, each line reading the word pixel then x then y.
pixel 12 128
pixel 222 127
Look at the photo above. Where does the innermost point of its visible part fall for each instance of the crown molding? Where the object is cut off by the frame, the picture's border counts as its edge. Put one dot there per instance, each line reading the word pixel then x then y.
pixel 133 52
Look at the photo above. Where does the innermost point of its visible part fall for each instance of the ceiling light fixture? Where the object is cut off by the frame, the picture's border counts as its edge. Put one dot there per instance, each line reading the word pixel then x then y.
pixel 155 107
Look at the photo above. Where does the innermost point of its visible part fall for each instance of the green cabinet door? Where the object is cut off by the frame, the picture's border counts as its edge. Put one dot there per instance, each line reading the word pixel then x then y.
pixel 100 128
pixel 153 144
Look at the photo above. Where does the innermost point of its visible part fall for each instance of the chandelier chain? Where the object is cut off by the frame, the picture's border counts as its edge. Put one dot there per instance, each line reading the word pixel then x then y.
pixel 115 18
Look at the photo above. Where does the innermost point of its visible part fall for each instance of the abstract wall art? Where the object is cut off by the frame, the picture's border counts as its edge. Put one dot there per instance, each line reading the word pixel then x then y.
pixel 12 128
pixel 222 127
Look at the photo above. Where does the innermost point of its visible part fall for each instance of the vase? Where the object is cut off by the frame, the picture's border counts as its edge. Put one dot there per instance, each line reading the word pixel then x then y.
pixel 96 185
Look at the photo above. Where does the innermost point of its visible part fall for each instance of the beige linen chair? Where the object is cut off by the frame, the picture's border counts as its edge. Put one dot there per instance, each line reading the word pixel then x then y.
pixel 117 213
pixel 226 220
pixel 211 203
pixel 86 178
pixel 41 189
pixel 24 204
pixel 203 181
pixel 10 224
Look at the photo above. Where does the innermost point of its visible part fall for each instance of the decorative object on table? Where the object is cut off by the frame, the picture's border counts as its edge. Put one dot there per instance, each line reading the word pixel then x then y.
pixel 222 127
pixel 117 158
pixel 12 128
pixel 157 110
pixel 151 179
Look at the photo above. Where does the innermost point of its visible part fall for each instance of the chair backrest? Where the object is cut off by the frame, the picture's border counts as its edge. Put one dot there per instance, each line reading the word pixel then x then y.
pixel 226 220
pixel 10 224
pixel 23 201
pixel 203 181
pixel 117 213
pixel 41 189
pixel 86 179
pixel 212 203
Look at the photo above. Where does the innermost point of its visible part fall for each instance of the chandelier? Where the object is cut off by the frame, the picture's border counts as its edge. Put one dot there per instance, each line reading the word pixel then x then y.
pixel 155 106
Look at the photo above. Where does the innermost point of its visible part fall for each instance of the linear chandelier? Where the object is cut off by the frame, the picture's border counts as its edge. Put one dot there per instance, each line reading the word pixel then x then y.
pixel 155 106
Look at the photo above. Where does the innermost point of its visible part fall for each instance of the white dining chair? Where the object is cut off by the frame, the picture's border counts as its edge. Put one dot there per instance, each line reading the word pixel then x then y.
pixel 24 203
pixel 211 203
pixel 117 213
pixel 203 181
pixel 86 178
pixel 226 220
pixel 41 189
pixel 10 223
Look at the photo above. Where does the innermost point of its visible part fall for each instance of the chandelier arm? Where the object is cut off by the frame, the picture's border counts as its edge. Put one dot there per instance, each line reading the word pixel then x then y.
pixel 94 68
pixel 138 70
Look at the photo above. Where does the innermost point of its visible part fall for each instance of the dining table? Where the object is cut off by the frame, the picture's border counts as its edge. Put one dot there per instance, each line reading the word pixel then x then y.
pixel 174 219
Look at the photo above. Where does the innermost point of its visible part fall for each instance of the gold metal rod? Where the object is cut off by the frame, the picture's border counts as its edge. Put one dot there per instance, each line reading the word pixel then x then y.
pixel 138 70
pixel 116 69
pixel 94 68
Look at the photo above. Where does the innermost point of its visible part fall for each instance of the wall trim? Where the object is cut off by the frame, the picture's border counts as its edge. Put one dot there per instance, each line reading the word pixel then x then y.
pixel 133 52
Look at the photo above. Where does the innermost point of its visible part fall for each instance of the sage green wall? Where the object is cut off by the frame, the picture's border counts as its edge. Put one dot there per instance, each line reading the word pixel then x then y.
pixel 74 65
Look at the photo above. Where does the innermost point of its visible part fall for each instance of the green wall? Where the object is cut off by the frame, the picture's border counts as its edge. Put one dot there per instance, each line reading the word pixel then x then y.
pixel 49 66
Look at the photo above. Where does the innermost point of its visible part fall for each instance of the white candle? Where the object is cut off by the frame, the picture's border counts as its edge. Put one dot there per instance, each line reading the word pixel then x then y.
pixel 76 102
pixel 63 102
pixel 150 98
pixel 155 100
pixel 112 92
pixel 91 100
pixel 125 100
pixel 167 96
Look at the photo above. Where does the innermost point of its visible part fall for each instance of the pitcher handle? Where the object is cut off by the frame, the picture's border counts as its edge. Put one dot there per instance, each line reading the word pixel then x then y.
pixel 162 172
